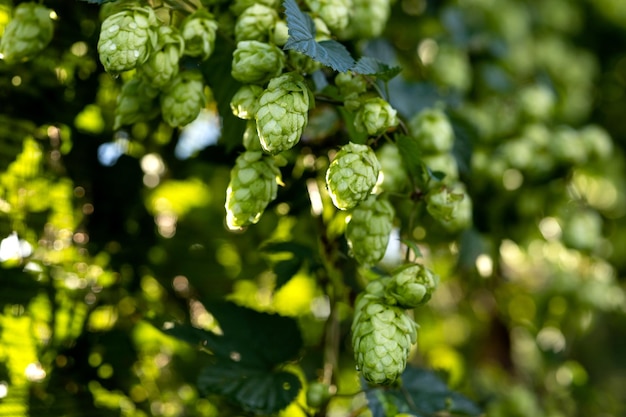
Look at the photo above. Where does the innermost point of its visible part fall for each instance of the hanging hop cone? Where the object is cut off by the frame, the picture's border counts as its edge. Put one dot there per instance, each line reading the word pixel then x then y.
pixel 257 62
pixel 283 112
pixel 251 139
pixel 256 23
pixel 253 185
pixel 199 30
pixel 127 38
pixel 375 117
pixel 245 102
pixel 352 175
pixel 335 13
pixel 162 64
pixel 368 230
pixel 412 285
pixel 462 213
pixel 394 175
pixel 382 336
pixel 433 131
pixel 351 86
pixel 442 202
pixel 137 102
pixel 183 98
pixel 27 34
pixel 368 19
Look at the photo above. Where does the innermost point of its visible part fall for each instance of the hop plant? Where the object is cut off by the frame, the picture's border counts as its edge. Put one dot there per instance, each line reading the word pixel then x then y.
pixel 257 62
pixel 382 336
pixel 127 38
pixel 239 6
pixel 442 202
pixel 253 185
pixel 136 103
pixel 375 117
pixel 351 86
pixel 162 64
pixel 27 34
pixel 433 131
pixel 256 23
pixel 335 13
pixel 412 285
pixel 199 30
pixel 368 19
pixel 368 230
pixel 245 102
pixel 394 177
pixel 183 99
pixel 352 175
pixel 283 112
pixel 251 139
pixel 443 163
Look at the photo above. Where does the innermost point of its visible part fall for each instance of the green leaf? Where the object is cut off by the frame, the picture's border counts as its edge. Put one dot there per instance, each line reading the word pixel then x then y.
pixel 422 394
pixel 413 246
pixel 412 159
pixel 257 391
pixel 285 270
pixel 302 39
pixel 372 66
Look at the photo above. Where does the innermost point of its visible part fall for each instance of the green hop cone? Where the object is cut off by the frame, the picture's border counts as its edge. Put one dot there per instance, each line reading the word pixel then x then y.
pixel 317 394
pixel 127 38
pixel 368 19
pixel 253 185
pixel 245 102
pixel 251 139
pixel 257 62
pixel 412 285
pixel 375 117
pixel 394 175
pixel 432 130
pixel 442 202
pixel 352 175
pixel 368 230
pixel 283 112
pixel 137 102
pixel 239 6
pixel 199 30
pixel 443 163
pixel 281 33
pixel 335 13
pixel 462 218
pixel 351 86
pixel 162 64
pixel 183 98
pixel 27 34
pixel 382 336
pixel 256 23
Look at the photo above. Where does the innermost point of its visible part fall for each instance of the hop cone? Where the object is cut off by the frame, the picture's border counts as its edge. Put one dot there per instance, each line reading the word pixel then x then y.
pixel 433 131
pixel 382 336
pixel 183 99
pixel 251 139
pixel 368 19
pixel 127 38
pixel 162 64
pixel 27 34
pixel 394 176
pixel 351 86
pixel 245 102
pixel 199 30
pixel 412 285
pixel 352 175
pixel 442 202
pixel 283 112
pixel 136 103
pixel 335 13
pixel 368 231
pixel 256 23
pixel 257 62
pixel 253 185
pixel 375 117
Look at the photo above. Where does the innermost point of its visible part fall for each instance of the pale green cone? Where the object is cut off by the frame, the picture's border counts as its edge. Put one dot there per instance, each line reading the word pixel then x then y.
pixel 394 176
pixel 382 336
pixel 375 117
pixel 251 139
pixel 245 102
pixel 412 285
pixel 444 163
pixel 350 83
pixel 27 34
pixel 368 230
pixel 183 98
pixel 162 64
pixel 281 33
pixel 253 185
pixel 432 130
pixel 463 215
pixel 352 175
pixel 127 38
pixel 283 112
pixel 335 13
pixel 256 23
pixel 199 30
pixel 442 202
pixel 239 6
pixel 137 102
pixel 257 62
pixel 368 19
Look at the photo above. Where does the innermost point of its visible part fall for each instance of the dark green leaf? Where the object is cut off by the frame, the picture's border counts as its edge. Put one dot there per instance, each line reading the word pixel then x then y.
pixel 291 247
pixel 257 391
pixel 412 159
pixel 372 66
pixel 285 270
pixel 302 39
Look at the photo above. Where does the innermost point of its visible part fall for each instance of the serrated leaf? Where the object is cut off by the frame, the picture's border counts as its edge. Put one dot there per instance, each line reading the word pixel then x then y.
pixel 412 159
pixel 422 394
pixel 302 39
pixel 257 391
pixel 372 66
